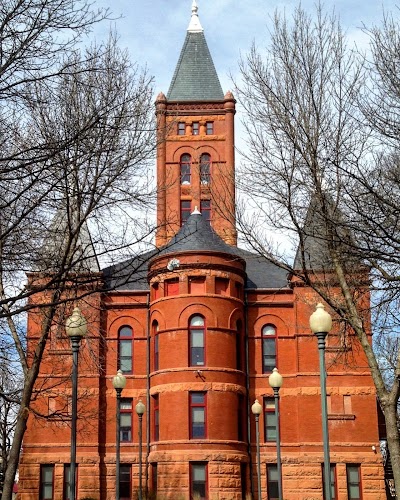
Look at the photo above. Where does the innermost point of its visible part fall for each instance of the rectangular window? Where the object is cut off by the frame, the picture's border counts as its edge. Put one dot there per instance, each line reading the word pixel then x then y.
pixel 195 128
pixel 197 346
pixel 209 128
pixel 125 482
pixel 156 419
pixel 221 286
pixel 333 481
pixel 205 209
pixel 46 482
pixel 67 481
pixel 269 354
pixel 126 420
pixel 154 485
pixel 197 415
pixel 171 287
pixel 125 349
pixel 156 352
pixel 269 420
pixel 272 482
pixel 353 482
pixel 156 291
pixel 185 210
pixel 181 128
pixel 197 284
pixel 198 480
pixel 240 415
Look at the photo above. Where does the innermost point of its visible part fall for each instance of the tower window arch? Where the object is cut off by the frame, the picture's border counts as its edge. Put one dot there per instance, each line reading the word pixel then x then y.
pixel 125 349
pixel 197 341
pixel 205 166
pixel 185 167
pixel 268 348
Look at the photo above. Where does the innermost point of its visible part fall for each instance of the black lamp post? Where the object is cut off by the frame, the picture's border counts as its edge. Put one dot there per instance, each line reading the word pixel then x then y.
pixel 256 410
pixel 321 324
pixel 119 383
pixel 76 328
pixel 140 409
pixel 275 381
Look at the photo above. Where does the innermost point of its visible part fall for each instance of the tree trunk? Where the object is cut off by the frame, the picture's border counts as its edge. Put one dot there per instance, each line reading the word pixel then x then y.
pixel 393 441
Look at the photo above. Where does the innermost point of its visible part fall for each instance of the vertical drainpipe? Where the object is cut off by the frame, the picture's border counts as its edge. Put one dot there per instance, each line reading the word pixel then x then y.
pixel 147 396
pixel 246 334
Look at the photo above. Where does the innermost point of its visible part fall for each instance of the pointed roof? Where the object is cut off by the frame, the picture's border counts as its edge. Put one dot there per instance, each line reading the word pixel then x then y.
pixel 197 235
pixel 195 77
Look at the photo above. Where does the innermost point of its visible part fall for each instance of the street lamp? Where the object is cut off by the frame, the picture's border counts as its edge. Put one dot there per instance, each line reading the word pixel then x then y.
pixel 275 381
pixel 256 410
pixel 76 328
pixel 321 324
pixel 140 409
pixel 119 383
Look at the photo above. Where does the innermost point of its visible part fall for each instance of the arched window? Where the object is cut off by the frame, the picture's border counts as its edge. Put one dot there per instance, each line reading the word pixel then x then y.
pixel 155 337
pixel 185 168
pixel 205 162
pixel 268 348
pixel 197 341
pixel 125 349
pixel 239 345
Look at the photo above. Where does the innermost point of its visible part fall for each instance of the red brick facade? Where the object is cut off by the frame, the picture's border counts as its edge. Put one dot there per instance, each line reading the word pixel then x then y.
pixel 198 381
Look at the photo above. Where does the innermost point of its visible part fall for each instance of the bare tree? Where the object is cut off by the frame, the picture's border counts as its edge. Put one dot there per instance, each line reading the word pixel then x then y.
pixel 316 171
pixel 77 135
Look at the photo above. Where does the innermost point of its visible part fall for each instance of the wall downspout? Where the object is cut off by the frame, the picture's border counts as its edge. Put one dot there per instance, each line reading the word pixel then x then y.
pixel 246 337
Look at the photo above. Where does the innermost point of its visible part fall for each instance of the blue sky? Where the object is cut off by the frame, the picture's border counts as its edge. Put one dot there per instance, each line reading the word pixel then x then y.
pixel 154 30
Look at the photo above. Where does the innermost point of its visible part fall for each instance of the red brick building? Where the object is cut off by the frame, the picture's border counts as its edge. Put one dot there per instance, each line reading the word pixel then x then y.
pixel 197 327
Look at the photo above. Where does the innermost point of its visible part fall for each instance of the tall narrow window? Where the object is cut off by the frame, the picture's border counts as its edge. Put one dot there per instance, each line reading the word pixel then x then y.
pixel 156 418
pixel 239 346
pixel 197 415
pixel 333 482
pixel 125 482
pixel 205 163
pixel 67 481
pixel 268 348
pixel 126 420
pixel 353 482
pixel 181 128
pixel 197 337
pixel 186 209
pixel 154 485
pixel 209 128
pixel 205 209
pixel 240 415
pixel 185 168
pixel 195 128
pixel 272 482
pixel 156 347
pixel 125 337
pixel 198 480
pixel 269 420
pixel 46 482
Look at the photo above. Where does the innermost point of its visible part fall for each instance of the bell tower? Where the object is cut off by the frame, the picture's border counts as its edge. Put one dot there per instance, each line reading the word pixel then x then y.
pixel 195 152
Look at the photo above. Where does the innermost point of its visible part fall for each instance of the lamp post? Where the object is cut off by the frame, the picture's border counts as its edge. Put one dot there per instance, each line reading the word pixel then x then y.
pixel 119 383
pixel 76 328
pixel 321 324
pixel 256 410
pixel 140 409
pixel 275 381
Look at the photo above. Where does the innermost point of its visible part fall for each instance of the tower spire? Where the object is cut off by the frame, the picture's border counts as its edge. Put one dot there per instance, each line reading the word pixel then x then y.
pixel 195 25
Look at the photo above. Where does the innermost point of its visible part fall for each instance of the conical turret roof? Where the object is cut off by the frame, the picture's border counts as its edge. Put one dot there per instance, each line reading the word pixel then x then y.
pixel 195 77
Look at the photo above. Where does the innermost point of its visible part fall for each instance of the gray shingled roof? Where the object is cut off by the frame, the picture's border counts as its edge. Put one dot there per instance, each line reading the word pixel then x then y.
pixel 195 235
pixel 195 77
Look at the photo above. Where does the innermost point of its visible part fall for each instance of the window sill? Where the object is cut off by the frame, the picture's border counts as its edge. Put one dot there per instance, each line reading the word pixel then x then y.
pixel 341 416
